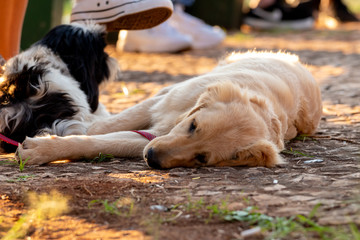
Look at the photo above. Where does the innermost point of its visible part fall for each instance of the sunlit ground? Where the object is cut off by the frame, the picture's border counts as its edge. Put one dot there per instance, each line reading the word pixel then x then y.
pixel 341 113
pixel 142 176
pixel 16 223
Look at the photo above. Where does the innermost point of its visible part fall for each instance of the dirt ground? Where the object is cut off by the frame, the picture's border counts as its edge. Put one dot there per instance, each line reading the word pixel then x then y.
pixel 179 203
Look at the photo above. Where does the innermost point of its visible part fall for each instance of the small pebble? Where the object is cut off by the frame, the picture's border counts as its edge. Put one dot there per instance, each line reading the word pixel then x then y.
pixel 159 208
pixel 251 232
pixel 313 161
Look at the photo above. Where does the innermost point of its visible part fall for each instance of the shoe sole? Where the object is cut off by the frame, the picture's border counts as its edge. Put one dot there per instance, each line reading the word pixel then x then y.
pixel 303 24
pixel 154 50
pixel 140 20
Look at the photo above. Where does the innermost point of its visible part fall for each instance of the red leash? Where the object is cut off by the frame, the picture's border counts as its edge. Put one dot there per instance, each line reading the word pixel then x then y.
pixel 146 135
pixel 8 140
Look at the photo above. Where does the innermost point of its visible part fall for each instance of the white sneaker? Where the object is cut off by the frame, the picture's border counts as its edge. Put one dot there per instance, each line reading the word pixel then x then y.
pixel 160 39
pixel 122 14
pixel 203 35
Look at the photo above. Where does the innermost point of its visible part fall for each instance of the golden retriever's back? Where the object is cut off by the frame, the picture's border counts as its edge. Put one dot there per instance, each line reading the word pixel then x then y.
pixel 284 80
pixel 279 77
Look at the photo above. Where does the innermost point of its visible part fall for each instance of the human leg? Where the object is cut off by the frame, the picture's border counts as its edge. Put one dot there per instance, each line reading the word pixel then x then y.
pixel 12 15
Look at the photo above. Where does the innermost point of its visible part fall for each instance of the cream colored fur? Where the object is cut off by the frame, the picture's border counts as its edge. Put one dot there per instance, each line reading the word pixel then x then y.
pixel 238 114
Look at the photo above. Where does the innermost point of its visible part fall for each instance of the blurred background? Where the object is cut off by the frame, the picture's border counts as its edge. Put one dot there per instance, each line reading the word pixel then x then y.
pixel 42 15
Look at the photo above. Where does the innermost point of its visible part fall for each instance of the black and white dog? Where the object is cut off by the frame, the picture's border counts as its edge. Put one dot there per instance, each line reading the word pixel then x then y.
pixel 53 87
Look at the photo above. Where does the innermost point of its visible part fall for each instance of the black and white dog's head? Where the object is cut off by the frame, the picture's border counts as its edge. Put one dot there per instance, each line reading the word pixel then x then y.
pixel 53 87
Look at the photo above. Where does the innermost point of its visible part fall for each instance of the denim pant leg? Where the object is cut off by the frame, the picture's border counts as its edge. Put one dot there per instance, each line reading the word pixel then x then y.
pixel 184 2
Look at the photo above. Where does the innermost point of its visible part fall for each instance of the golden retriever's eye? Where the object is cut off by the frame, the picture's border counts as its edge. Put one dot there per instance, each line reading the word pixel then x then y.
pixel 192 127
pixel 234 156
pixel 201 157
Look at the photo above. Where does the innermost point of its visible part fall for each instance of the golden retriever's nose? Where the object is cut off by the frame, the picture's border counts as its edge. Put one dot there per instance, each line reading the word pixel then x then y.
pixel 151 159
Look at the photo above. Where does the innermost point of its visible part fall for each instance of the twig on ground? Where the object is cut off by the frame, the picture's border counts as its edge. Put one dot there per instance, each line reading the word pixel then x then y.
pixel 334 138
pixel 87 190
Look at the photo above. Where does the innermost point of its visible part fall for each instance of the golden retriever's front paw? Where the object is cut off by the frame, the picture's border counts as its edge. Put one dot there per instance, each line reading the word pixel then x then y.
pixel 35 151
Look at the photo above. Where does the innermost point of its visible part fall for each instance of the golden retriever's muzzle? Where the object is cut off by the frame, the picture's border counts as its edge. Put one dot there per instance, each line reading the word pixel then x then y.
pixel 152 159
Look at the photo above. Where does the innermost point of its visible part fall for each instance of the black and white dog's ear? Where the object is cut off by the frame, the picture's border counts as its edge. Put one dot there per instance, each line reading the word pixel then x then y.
pixel 81 48
pixel 19 86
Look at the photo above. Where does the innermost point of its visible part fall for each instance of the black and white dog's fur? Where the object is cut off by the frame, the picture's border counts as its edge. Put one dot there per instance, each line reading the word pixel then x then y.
pixel 53 87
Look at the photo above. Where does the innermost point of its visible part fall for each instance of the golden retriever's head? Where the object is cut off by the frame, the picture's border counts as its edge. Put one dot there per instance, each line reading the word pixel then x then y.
pixel 225 128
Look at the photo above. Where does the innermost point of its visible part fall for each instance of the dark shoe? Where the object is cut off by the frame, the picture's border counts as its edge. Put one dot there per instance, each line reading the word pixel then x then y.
pixel 298 18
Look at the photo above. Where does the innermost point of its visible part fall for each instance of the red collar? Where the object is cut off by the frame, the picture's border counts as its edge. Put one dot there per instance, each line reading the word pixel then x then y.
pixel 146 135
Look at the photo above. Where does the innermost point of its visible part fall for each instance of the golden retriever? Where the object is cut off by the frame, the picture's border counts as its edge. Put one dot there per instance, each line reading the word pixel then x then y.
pixel 236 115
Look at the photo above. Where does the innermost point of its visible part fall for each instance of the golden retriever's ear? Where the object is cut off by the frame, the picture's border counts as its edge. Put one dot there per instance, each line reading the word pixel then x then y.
pixel 202 102
pixel 195 109
pixel 262 153
pixel 189 113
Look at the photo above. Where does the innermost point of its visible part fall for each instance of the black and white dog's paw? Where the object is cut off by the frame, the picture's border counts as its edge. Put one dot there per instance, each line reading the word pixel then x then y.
pixel 37 151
